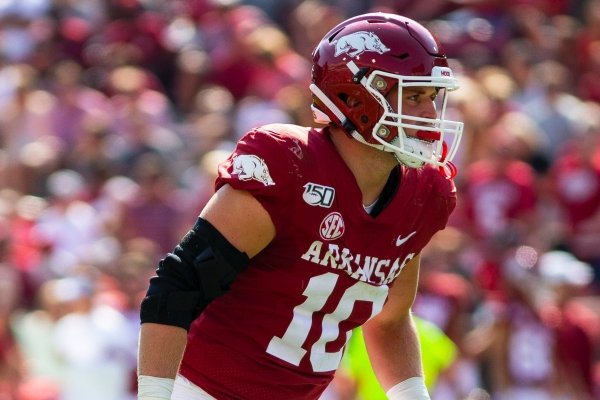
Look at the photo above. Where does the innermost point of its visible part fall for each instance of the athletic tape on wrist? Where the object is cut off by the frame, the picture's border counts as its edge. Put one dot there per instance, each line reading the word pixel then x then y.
pixel 410 389
pixel 154 388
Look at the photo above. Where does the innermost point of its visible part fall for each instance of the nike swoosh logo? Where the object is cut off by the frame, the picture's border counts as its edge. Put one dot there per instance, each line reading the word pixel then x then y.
pixel 400 240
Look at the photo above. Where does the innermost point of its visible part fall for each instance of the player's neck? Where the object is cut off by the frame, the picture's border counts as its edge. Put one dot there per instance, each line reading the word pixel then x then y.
pixel 370 167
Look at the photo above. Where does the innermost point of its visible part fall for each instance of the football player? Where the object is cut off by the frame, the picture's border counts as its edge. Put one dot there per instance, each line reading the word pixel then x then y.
pixel 313 232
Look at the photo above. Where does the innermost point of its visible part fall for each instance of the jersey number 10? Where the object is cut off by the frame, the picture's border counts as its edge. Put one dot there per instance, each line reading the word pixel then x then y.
pixel 290 348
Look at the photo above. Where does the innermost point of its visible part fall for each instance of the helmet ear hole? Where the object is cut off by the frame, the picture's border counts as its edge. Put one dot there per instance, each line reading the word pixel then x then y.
pixel 349 100
pixel 364 119
pixel 343 97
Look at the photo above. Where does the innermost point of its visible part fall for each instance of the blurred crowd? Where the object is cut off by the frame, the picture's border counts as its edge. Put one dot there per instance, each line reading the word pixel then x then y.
pixel 114 115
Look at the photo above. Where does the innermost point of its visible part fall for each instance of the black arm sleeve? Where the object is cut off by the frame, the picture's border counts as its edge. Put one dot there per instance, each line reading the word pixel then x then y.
pixel 200 268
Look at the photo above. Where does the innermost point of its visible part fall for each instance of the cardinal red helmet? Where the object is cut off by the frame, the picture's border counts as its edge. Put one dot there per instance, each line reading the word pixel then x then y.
pixel 367 56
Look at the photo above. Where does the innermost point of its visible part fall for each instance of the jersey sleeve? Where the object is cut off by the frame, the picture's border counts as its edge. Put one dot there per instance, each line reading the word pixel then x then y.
pixel 260 164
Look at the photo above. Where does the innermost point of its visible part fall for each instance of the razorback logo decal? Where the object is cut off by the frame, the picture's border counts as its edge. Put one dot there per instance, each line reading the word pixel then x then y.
pixel 249 166
pixel 356 43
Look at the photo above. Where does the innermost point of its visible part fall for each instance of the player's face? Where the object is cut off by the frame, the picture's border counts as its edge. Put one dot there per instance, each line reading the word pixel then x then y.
pixel 418 101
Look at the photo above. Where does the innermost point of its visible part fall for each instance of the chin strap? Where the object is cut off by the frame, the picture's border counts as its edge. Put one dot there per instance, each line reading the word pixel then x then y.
pixel 449 169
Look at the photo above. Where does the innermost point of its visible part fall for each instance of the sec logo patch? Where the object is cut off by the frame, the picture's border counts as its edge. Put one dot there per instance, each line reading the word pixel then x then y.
pixel 332 226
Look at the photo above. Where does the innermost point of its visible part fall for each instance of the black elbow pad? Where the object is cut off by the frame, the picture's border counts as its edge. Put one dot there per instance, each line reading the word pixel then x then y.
pixel 200 269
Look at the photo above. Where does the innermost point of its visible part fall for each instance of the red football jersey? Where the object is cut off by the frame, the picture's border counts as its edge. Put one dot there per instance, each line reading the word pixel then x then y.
pixel 280 331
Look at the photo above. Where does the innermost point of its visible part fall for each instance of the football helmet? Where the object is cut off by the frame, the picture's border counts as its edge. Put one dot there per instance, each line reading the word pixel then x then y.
pixel 367 56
